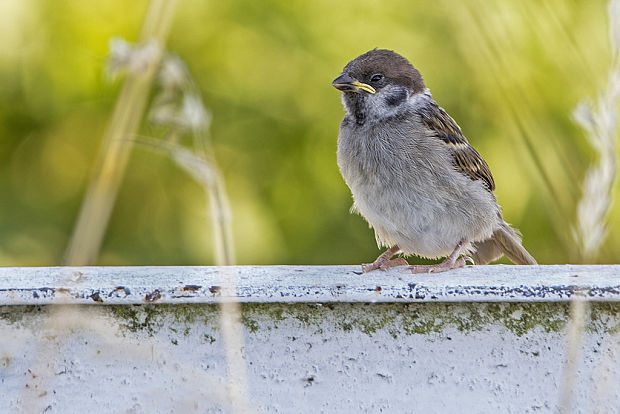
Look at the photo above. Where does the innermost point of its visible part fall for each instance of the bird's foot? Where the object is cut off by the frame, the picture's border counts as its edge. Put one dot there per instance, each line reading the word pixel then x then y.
pixel 383 264
pixel 444 266
pixel 385 261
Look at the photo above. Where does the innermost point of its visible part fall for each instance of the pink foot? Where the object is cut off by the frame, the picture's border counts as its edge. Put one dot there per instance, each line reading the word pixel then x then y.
pixel 444 266
pixel 383 264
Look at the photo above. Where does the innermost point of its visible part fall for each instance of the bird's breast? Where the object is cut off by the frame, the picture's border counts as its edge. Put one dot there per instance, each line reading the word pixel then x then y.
pixel 408 190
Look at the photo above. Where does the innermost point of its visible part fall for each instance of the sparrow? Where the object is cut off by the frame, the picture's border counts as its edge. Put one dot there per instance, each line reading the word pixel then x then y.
pixel 412 173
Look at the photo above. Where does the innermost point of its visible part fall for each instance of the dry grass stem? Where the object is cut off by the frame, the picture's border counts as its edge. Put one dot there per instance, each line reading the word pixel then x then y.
pixel 579 309
pixel 600 123
pixel 205 172
pixel 232 332
pixel 178 107
pixel 142 64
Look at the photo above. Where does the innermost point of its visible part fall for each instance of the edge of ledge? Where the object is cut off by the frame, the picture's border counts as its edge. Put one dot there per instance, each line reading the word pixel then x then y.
pixel 303 284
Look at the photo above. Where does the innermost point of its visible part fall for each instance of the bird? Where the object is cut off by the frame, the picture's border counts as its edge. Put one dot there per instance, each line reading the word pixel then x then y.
pixel 412 173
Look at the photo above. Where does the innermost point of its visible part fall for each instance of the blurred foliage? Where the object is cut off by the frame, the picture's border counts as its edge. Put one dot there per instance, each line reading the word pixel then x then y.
pixel 509 72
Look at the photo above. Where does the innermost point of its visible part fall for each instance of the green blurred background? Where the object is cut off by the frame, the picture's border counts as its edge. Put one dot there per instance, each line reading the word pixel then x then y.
pixel 509 72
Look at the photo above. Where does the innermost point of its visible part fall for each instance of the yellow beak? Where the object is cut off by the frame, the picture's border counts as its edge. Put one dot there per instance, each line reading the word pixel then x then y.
pixel 347 83
pixel 364 86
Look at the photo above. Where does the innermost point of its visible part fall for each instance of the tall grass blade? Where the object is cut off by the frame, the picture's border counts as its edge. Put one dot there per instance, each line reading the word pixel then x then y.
pixel 600 123
pixel 128 113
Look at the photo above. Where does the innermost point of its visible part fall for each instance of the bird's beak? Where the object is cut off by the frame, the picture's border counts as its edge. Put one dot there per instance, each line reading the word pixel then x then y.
pixel 346 83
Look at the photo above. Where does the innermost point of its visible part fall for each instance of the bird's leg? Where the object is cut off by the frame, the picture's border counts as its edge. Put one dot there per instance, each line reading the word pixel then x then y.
pixel 451 262
pixel 385 261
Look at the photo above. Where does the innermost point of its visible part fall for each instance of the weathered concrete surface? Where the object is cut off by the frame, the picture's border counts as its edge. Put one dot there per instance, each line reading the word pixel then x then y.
pixel 305 358
pixel 443 357
pixel 278 284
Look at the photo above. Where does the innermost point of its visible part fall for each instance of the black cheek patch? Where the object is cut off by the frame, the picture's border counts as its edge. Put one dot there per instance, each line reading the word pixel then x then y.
pixel 399 96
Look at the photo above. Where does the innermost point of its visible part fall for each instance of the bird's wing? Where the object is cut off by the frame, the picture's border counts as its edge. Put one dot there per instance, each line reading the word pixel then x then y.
pixel 465 157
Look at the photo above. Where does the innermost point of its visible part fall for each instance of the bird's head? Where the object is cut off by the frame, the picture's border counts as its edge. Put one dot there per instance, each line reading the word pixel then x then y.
pixel 377 83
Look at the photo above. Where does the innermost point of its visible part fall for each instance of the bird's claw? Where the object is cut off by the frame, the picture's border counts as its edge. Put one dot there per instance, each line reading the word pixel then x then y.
pixel 368 267
pixel 443 266
pixel 383 265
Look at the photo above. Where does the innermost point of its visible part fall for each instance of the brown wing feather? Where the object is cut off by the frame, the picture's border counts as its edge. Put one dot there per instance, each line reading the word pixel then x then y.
pixel 466 158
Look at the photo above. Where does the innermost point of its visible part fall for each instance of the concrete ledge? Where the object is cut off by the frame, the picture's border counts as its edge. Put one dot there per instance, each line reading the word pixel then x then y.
pixel 296 284
pixel 484 339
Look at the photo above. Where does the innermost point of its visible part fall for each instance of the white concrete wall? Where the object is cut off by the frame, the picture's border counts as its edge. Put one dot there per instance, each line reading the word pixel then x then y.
pixel 316 339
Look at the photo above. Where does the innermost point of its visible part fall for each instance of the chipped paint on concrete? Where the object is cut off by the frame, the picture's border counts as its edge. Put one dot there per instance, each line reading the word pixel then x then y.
pixel 294 284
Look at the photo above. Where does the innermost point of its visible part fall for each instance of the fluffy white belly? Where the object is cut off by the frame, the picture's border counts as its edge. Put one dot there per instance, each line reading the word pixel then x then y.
pixel 428 224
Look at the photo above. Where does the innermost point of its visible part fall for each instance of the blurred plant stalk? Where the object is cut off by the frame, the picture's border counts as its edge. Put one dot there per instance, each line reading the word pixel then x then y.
pixel 178 107
pixel 579 314
pixel 201 166
pixel 600 122
pixel 128 113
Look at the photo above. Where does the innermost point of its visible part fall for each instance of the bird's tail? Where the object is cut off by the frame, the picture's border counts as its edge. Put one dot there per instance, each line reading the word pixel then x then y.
pixel 504 241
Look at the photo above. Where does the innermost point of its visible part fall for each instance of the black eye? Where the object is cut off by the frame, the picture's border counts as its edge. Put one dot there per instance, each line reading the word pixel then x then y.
pixel 376 77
